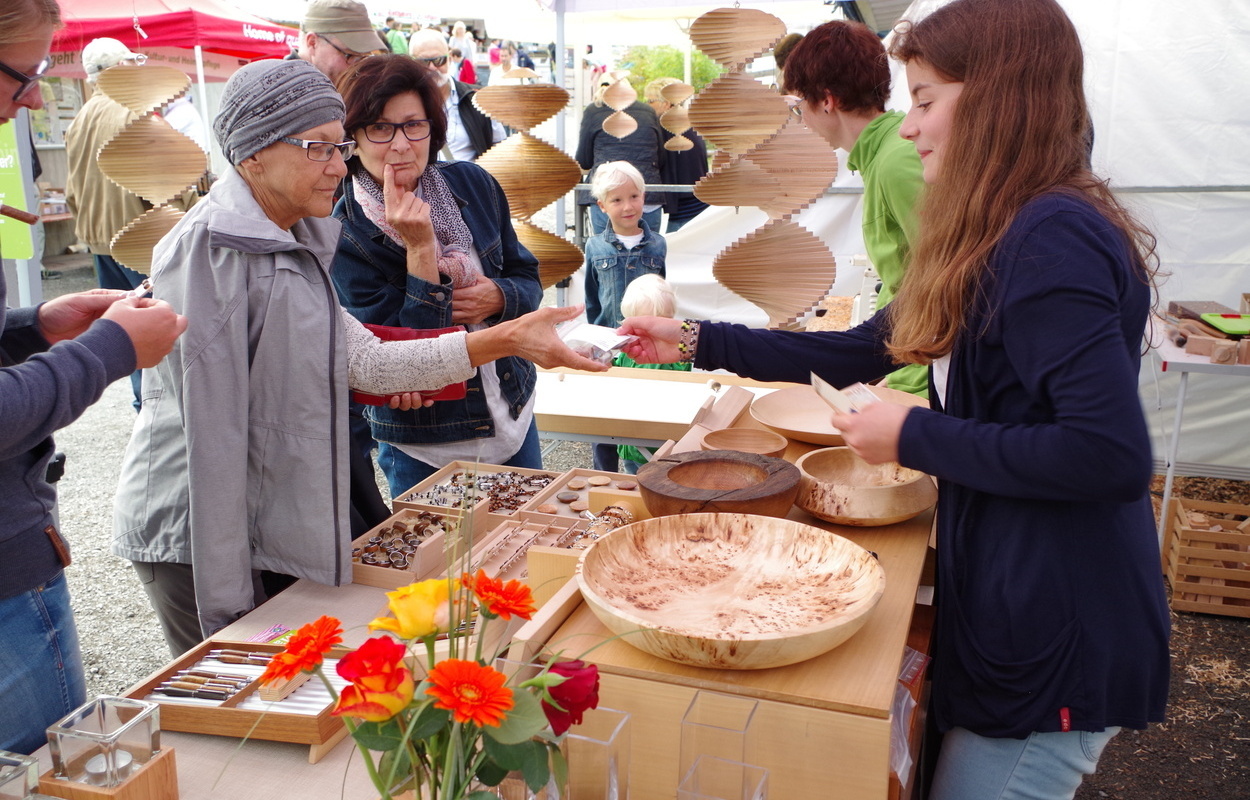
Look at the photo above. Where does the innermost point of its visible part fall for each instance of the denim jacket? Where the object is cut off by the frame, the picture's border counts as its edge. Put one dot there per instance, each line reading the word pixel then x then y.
pixel 610 267
pixel 374 285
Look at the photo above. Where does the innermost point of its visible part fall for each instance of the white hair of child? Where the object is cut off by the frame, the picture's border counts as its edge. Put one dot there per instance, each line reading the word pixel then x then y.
pixel 611 175
pixel 649 296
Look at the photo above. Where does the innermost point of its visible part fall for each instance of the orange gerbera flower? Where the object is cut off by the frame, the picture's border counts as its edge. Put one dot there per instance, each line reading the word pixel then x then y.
pixel 501 599
pixel 304 650
pixel 472 692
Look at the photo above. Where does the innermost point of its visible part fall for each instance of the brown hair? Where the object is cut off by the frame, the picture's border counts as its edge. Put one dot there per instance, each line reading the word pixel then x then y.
pixel 369 85
pixel 844 59
pixel 1022 127
pixel 20 16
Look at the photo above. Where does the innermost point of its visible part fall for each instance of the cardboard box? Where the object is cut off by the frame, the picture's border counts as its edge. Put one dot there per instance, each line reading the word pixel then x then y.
pixel 1206 557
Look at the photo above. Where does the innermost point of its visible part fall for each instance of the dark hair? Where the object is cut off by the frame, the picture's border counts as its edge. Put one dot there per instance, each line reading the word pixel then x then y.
pixel 844 59
pixel 369 85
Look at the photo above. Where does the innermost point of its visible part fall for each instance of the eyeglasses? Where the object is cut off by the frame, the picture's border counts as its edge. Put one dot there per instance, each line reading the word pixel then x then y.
pixel 26 82
pixel 322 151
pixel 795 103
pixel 383 132
pixel 350 56
pixel 434 61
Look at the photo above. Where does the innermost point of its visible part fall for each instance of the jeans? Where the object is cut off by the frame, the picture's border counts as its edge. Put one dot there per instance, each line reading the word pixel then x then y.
pixel 41 672
pixel 599 220
pixel 404 472
pixel 605 458
pixel 1045 766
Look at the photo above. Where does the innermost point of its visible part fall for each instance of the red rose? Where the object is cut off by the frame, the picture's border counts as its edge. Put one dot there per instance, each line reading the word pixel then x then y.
pixel 579 692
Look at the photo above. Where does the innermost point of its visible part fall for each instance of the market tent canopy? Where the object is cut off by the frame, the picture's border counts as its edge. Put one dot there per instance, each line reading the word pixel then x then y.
pixel 143 25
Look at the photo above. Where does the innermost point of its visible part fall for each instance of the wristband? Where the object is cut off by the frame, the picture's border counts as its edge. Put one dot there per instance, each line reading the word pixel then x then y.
pixel 689 341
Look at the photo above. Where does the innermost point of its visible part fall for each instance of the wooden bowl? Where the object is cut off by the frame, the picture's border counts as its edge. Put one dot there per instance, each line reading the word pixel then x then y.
pixel 718 481
pixel 799 413
pixel 839 486
pixel 730 591
pixel 746 440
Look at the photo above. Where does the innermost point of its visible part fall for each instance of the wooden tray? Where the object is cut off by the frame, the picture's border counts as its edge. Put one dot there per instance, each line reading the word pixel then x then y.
pixel 301 718
pixel 430 558
pixel 482 517
pixel 615 481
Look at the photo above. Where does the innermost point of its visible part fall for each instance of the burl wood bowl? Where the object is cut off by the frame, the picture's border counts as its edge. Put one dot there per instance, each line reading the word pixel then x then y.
pixel 721 481
pixel 730 591
pixel 746 440
pixel 839 486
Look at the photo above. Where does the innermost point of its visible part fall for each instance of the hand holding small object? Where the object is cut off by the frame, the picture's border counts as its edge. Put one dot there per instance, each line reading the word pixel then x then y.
pixel 873 432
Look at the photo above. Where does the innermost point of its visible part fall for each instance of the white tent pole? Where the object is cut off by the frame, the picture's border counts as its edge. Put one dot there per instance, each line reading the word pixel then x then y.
pixel 203 106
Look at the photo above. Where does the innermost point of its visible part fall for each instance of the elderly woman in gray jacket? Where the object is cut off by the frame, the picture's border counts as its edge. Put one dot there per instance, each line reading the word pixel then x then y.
pixel 238 462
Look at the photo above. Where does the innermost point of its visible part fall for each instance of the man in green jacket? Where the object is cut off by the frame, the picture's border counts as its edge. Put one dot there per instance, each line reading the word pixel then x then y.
pixel 842 75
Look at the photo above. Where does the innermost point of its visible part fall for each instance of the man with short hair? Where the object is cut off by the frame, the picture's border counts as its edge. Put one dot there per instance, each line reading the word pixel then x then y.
pixel 469 132
pixel 335 35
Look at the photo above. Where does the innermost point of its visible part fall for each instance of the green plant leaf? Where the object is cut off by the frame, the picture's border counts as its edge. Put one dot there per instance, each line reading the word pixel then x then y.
pixel 382 736
pixel 398 759
pixel 490 773
pixel 482 795
pixel 429 721
pixel 559 766
pixel 535 768
pixel 507 756
pixel 523 722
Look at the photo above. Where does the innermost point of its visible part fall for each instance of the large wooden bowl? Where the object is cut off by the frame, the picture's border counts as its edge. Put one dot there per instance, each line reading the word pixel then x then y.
pixel 839 486
pixel 722 481
pixel 745 440
pixel 800 414
pixel 730 591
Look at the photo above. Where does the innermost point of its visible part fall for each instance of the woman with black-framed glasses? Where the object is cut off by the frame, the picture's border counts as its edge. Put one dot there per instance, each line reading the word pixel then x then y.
pixel 428 244
pixel 238 465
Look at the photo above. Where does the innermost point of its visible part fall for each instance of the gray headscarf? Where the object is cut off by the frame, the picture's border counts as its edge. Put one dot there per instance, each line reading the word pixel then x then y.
pixel 266 100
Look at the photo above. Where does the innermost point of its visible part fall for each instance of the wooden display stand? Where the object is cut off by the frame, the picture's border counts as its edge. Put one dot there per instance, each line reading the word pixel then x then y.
pixel 155 780
pixel 1206 557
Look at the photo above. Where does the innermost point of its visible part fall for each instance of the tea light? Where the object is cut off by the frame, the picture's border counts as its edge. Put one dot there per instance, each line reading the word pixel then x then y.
pixel 97 768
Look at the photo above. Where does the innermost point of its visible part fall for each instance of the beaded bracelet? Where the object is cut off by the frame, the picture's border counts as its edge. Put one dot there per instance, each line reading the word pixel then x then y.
pixel 689 342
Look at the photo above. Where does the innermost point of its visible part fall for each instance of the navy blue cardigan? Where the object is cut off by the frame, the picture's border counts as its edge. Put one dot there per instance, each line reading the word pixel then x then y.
pixel 1050 603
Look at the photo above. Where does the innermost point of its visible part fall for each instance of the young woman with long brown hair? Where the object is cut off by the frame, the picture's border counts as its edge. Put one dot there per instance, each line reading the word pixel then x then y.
pixel 1027 294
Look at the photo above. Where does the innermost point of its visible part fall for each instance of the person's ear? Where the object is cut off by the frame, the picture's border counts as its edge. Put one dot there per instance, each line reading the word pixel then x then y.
pixel 252 165
pixel 600 204
pixel 829 104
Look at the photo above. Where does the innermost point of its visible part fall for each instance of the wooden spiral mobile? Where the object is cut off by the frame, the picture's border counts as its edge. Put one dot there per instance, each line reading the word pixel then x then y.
pixel 766 158
pixel 148 157
pixel 533 174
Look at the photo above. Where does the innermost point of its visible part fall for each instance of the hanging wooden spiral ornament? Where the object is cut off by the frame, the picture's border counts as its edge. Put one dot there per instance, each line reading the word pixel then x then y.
pixel 533 174
pixel 128 159
pixel 767 158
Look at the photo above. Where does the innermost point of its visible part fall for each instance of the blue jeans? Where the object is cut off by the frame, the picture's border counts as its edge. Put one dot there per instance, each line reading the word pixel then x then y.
pixel 599 220
pixel 41 673
pixel 1045 766
pixel 112 275
pixel 404 472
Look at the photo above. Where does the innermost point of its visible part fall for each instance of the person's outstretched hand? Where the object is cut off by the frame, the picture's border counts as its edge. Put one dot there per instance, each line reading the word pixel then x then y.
pixel 152 326
pixel 533 337
pixel 69 315
pixel 657 339
pixel 873 432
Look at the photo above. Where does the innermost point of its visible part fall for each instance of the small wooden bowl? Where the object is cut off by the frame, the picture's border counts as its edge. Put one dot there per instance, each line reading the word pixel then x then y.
pixel 718 481
pixel 730 591
pixel 839 486
pixel 746 440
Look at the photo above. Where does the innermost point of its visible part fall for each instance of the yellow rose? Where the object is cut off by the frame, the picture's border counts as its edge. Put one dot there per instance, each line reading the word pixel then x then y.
pixel 420 610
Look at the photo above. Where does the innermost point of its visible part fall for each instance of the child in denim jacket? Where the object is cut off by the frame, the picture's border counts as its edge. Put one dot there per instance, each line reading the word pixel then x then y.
pixel 626 249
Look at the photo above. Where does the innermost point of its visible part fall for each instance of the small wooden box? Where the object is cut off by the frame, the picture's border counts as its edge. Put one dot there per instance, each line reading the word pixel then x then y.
pixel 429 560
pixel 1206 557
pixel 271 721
pixel 503 550
pixel 481 516
pixel 155 780
pixel 616 480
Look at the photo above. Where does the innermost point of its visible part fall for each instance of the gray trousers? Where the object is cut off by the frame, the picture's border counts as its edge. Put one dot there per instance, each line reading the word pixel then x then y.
pixel 171 591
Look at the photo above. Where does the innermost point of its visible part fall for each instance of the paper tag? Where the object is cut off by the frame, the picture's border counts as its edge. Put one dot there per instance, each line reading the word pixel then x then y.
pixel 845 401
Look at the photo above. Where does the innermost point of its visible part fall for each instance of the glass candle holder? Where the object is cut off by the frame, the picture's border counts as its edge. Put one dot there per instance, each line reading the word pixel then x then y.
pixel 19 775
pixel 717 725
pixel 711 778
pixel 598 755
pixel 103 742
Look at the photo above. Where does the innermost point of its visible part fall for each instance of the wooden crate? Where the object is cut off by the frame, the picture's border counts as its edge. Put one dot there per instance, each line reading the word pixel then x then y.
pixel 482 518
pixel 1206 557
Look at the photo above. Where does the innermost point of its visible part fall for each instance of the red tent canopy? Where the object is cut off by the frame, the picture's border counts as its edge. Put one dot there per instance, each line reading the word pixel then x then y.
pixel 216 26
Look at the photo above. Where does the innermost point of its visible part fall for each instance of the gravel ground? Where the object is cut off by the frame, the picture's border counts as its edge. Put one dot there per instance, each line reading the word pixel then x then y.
pixel 121 640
